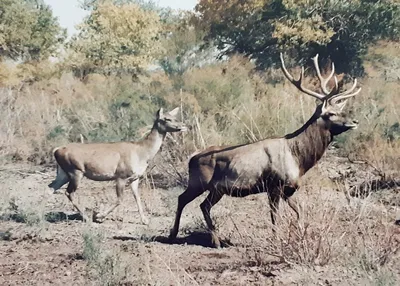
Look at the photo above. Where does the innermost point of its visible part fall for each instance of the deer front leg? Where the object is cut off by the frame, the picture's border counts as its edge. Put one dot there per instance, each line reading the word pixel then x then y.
pixel 136 195
pixel 70 196
pixel 119 188
pixel 287 195
pixel 288 192
pixel 274 198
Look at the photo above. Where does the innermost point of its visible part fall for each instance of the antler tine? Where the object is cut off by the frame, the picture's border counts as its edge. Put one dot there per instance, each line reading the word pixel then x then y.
pixel 286 73
pixel 346 94
pixel 336 89
pixel 323 81
pixel 336 83
pixel 298 83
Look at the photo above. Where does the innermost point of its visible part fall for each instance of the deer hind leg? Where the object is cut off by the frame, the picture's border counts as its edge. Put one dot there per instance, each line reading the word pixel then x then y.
pixel 136 195
pixel 75 179
pixel 119 188
pixel 212 199
pixel 60 180
pixel 186 197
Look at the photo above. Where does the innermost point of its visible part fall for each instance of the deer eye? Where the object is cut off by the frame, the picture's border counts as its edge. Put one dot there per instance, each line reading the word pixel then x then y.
pixel 328 114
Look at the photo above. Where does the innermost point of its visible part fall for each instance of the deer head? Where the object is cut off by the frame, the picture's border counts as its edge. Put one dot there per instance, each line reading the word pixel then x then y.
pixel 330 112
pixel 167 122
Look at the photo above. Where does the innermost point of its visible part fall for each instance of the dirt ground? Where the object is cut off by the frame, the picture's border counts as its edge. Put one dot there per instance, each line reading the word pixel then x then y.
pixel 336 243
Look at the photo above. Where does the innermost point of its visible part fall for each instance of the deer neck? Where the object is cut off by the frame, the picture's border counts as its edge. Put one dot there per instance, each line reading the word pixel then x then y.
pixel 309 143
pixel 153 141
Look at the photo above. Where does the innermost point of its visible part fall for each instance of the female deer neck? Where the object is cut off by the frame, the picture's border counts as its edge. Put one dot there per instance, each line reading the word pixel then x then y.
pixel 309 143
pixel 152 143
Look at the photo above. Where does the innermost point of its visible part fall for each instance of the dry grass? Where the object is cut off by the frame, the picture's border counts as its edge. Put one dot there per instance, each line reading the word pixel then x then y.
pixel 331 235
pixel 236 107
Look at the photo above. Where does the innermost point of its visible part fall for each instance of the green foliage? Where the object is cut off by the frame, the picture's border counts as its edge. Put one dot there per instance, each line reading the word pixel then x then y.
pixel 182 44
pixel 91 246
pixel 15 213
pixel 6 235
pixel 28 30
pixel 105 268
pixel 144 4
pixel 341 30
pixel 125 114
pixel 115 39
pixel 393 132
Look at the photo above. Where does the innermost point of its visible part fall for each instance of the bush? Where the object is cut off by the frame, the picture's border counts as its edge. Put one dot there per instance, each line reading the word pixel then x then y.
pixel 104 267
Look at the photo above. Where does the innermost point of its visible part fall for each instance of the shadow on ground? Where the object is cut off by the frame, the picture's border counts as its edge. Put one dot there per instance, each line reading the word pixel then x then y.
pixel 54 217
pixel 194 238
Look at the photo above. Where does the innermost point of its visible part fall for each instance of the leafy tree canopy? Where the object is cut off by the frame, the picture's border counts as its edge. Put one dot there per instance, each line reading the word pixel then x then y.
pixel 116 39
pixel 144 4
pixel 340 30
pixel 28 30
pixel 182 42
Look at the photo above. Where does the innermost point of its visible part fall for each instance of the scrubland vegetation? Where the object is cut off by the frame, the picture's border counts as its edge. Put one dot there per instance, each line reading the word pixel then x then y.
pixel 131 57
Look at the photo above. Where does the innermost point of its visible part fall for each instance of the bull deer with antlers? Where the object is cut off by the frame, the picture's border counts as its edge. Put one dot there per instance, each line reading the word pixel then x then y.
pixel 122 162
pixel 272 165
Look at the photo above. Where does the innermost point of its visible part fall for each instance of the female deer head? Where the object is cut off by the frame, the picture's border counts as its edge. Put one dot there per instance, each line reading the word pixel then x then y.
pixel 167 122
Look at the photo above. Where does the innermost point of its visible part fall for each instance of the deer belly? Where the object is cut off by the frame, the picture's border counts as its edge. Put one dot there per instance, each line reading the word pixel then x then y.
pixel 244 192
pixel 100 176
pixel 243 189
pixel 101 168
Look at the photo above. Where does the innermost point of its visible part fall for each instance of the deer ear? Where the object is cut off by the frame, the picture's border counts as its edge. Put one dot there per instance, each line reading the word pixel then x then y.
pixel 174 112
pixel 160 113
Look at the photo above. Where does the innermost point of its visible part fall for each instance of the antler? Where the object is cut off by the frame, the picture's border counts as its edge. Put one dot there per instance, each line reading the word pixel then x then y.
pixel 299 83
pixel 346 94
pixel 324 81
pixel 331 96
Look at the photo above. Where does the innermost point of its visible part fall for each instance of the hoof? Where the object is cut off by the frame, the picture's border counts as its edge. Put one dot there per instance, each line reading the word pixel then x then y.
pixel 97 217
pixel 98 220
pixel 171 237
pixel 216 245
pixel 215 242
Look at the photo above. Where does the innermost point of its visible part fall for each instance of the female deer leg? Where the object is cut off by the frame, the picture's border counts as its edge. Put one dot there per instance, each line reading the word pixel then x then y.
pixel 119 187
pixel 213 198
pixel 136 195
pixel 186 197
pixel 75 179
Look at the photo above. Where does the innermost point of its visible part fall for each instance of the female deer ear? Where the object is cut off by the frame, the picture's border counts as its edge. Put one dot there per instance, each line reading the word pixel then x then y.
pixel 174 112
pixel 160 113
